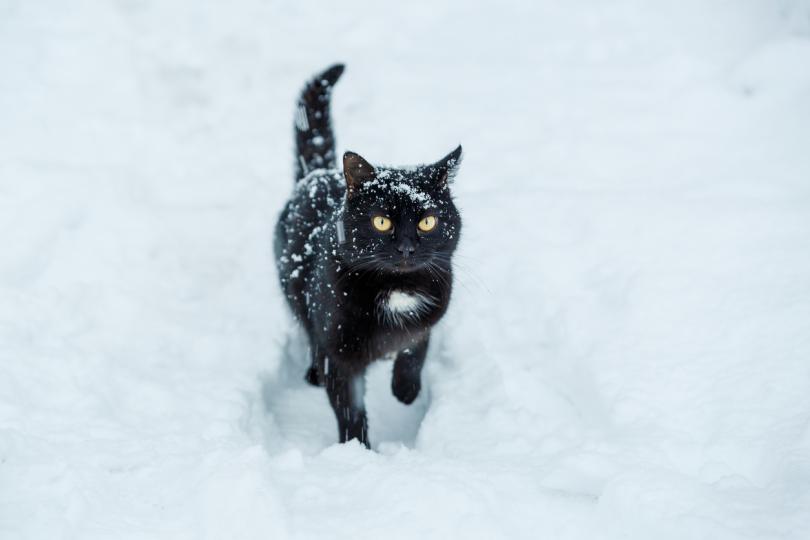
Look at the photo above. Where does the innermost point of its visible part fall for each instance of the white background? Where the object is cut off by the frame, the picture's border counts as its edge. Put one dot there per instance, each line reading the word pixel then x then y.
pixel 627 354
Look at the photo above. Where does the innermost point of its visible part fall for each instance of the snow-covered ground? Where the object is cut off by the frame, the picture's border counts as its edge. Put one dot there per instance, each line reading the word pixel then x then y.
pixel 628 351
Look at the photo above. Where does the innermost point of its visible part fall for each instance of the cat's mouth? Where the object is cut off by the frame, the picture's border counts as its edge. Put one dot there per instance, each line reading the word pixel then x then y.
pixel 408 265
pixel 398 265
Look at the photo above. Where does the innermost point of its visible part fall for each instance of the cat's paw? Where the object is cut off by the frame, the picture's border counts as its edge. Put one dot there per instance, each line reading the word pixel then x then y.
pixel 313 377
pixel 406 389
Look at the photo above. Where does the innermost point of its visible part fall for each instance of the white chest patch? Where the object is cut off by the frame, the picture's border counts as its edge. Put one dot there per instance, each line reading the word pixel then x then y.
pixel 398 307
pixel 402 301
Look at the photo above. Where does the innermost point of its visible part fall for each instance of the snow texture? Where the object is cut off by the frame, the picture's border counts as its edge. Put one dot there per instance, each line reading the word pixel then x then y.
pixel 388 180
pixel 627 353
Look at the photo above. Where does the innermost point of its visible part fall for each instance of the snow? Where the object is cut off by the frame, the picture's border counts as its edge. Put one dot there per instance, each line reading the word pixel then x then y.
pixel 626 353
pixel 387 180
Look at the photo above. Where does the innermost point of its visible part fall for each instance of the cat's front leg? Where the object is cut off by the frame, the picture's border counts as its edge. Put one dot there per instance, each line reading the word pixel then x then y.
pixel 407 379
pixel 346 390
pixel 315 374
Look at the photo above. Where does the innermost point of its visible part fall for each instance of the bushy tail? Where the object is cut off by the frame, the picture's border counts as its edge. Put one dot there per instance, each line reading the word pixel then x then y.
pixel 314 140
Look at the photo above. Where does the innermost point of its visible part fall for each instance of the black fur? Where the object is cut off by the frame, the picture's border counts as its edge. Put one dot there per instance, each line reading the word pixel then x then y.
pixel 337 271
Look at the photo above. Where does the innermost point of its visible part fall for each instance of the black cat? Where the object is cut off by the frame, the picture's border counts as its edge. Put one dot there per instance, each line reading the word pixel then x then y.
pixel 364 259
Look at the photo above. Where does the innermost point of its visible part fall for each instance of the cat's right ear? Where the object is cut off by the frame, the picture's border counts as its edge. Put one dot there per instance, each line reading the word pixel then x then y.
pixel 447 167
pixel 356 170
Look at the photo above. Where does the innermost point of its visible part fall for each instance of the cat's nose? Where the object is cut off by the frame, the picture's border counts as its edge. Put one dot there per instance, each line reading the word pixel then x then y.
pixel 406 247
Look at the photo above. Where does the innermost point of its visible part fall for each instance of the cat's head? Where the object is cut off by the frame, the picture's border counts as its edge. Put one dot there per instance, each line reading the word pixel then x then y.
pixel 399 219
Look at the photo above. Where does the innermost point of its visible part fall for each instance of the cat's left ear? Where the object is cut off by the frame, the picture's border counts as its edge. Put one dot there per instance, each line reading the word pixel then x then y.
pixel 447 167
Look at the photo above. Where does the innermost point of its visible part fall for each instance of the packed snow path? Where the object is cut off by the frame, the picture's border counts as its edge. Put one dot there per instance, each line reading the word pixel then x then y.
pixel 628 351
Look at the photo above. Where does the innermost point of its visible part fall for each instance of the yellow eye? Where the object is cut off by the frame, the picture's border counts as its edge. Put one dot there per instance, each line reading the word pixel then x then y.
pixel 427 223
pixel 381 223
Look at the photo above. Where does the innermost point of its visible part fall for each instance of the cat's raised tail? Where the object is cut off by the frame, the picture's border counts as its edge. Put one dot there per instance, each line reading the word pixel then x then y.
pixel 314 139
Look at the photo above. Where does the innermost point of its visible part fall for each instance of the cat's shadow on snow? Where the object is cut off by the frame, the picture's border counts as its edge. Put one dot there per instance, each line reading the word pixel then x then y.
pixel 303 417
